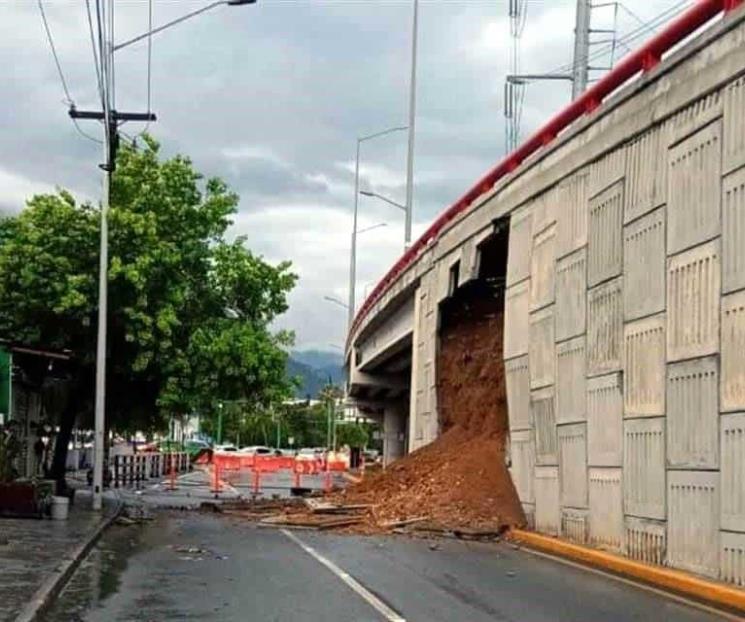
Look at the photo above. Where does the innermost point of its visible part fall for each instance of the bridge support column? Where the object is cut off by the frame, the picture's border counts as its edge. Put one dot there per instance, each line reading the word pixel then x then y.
pixel 394 432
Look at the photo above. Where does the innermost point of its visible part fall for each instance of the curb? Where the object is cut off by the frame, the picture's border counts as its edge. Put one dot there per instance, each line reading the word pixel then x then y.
pixel 53 585
pixel 710 592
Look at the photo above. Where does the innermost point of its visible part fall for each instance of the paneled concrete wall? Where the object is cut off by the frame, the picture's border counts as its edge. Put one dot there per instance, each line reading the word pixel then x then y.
pixel 624 339
pixel 423 405
pixel 629 301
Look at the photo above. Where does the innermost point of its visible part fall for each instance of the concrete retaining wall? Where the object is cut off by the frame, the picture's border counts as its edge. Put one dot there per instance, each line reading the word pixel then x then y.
pixel 624 340
pixel 626 289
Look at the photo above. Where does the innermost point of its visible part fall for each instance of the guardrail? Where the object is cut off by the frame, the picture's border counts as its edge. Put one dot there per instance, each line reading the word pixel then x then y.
pixel 131 470
pixel 643 60
pixel 225 464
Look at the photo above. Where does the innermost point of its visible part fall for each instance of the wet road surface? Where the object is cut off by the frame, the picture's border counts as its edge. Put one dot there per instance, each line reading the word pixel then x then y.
pixel 192 566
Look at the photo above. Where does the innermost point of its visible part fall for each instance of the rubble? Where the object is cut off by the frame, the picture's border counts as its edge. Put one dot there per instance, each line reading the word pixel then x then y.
pixel 459 485
pixel 461 480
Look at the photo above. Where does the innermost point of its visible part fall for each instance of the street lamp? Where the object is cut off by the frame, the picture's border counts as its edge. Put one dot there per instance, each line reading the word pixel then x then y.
pixel 178 20
pixel 336 301
pixel 370 193
pixel 353 252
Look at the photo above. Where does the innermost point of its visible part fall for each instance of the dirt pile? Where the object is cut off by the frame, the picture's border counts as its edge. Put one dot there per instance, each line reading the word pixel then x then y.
pixel 461 479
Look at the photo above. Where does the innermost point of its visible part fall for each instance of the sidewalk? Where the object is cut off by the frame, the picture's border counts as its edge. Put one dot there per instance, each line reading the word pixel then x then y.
pixel 33 552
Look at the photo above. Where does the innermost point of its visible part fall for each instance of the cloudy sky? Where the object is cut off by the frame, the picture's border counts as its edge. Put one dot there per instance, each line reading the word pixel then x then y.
pixel 272 97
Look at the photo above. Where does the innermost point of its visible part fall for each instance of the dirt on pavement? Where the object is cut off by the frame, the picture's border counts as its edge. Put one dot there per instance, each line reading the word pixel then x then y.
pixel 461 479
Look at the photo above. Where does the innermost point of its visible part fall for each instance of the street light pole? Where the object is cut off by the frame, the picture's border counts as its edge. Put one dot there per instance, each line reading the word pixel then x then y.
pixel 103 266
pixel 369 193
pixel 353 251
pixel 412 125
pixel 111 119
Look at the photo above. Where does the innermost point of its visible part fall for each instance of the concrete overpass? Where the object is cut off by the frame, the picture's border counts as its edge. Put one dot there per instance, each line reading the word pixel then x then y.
pixel 623 219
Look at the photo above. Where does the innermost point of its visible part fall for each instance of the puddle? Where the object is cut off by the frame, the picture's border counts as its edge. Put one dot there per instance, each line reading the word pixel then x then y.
pixel 98 577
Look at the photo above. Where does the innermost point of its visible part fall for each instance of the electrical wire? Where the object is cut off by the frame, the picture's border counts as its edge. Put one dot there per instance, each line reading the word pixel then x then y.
pixel 149 64
pixel 112 69
pixel 628 38
pixel 93 49
pixel 68 101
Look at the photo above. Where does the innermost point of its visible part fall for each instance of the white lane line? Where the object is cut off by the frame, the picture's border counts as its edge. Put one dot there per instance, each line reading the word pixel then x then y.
pixel 389 614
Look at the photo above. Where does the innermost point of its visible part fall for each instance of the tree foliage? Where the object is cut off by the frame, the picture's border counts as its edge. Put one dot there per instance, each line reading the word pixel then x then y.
pixel 189 312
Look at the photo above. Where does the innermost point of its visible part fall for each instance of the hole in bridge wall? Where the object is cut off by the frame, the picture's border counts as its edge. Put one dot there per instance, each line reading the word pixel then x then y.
pixel 471 388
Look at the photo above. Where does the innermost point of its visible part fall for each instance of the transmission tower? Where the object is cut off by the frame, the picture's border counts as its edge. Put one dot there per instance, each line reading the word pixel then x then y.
pixel 578 73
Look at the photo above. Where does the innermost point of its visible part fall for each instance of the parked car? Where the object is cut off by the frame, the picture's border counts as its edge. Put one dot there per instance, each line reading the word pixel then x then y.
pixel 256 450
pixel 226 448
pixel 310 453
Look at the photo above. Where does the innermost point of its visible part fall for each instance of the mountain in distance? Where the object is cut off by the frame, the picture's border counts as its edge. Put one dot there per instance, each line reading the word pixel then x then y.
pixel 314 367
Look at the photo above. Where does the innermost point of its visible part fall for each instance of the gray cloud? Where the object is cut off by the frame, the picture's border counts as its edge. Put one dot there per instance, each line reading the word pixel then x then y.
pixel 271 97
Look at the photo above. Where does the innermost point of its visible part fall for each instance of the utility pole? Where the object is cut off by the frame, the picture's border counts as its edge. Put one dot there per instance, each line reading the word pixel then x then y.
pixel 110 119
pixel 412 121
pixel 581 48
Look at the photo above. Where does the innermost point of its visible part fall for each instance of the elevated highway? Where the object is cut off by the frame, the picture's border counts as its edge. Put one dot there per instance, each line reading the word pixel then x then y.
pixel 622 221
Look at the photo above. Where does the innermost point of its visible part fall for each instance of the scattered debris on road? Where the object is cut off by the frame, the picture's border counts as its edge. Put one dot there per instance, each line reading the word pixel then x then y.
pixel 461 480
pixel 456 487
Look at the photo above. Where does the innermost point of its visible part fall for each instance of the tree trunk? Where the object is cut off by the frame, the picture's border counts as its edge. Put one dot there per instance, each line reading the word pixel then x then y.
pixel 59 461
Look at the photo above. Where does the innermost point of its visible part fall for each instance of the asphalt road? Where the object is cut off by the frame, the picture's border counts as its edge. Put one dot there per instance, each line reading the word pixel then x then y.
pixel 192 566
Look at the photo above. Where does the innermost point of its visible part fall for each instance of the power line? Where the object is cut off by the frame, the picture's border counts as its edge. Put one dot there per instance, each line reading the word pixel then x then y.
pixel 111 56
pixel 629 37
pixel 93 49
pixel 149 62
pixel 69 99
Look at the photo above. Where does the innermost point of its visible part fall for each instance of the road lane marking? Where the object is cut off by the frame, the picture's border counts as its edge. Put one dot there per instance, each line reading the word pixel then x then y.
pixel 389 614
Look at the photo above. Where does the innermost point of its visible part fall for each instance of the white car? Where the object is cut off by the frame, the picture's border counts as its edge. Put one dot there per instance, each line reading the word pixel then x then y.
pixel 310 453
pixel 256 450
pixel 227 448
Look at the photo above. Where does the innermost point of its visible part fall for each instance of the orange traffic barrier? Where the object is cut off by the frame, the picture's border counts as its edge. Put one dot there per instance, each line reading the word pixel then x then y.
pixel 172 478
pixel 216 485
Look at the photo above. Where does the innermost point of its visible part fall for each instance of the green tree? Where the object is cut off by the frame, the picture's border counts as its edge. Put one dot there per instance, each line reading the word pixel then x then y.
pixel 189 311
pixel 351 434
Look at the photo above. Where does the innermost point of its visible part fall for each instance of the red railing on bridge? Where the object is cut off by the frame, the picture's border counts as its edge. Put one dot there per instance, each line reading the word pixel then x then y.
pixel 642 60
